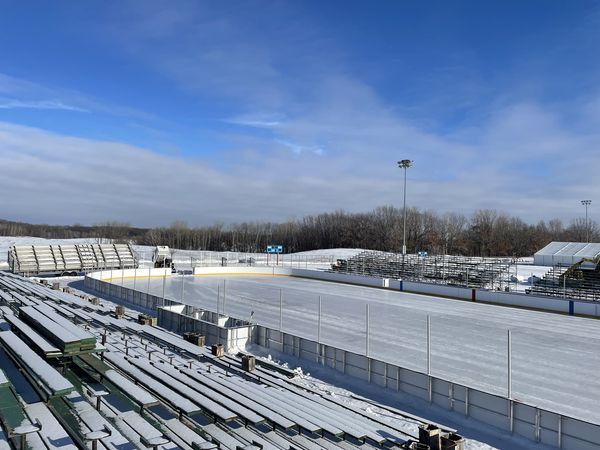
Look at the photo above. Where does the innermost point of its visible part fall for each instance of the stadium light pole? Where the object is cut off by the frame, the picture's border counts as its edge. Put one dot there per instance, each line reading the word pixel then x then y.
pixel 404 164
pixel 586 203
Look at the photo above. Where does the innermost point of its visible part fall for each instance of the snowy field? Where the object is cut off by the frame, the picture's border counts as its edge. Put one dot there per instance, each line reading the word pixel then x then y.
pixel 555 358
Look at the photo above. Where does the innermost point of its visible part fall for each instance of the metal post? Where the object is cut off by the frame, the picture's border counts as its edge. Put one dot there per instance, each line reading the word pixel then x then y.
pixel 559 431
pixel 223 297
pixel 280 309
pixel 319 323
pixel 149 273
pixel 182 286
pixel 319 333
pixel 134 277
pixel 367 331
pixel 428 345
pixel 429 380
pixel 509 364
pixel 218 295
pixel 164 282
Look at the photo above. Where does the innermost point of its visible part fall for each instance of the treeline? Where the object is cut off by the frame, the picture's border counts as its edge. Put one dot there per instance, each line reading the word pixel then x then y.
pixel 109 231
pixel 486 233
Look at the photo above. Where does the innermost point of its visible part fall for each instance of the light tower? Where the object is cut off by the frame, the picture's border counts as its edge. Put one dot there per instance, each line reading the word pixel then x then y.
pixel 586 203
pixel 404 164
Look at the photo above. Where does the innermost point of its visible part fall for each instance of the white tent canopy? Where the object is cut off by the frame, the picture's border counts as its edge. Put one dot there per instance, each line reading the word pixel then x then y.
pixel 565 253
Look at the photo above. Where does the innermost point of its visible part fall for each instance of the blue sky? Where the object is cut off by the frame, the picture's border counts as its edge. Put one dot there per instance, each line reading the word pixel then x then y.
pixel 149 112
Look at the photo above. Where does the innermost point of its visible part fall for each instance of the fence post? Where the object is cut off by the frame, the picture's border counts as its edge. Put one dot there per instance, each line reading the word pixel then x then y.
pixel 149 273
pixel 182 286
pixel 164 282
pixel 280 309
pixel 319 332
pixel 367 331
pixel 509 363
pixel 367 323
pixel 509 382
pixel 559 431
pixel 429 385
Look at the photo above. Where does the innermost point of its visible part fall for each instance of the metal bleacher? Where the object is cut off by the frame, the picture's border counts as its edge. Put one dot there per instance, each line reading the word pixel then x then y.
pixel 69 258
pixel 153 389
pixel 440 269
pixel 580 280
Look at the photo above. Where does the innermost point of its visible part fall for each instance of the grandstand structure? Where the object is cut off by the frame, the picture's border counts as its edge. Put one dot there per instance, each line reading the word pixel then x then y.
pixel 69 259
pixel 441 269
pixel 574 270
pixel 150 388
pixel 580 280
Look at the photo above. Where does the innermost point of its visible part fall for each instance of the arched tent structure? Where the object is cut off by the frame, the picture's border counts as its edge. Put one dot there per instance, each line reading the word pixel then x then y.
pixel 566 253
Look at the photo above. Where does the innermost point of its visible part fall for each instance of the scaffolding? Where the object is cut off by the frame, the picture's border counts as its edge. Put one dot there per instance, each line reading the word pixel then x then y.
pixel 439 269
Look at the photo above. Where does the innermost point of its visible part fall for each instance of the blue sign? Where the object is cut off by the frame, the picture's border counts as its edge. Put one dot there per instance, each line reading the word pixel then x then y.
pixel 422 253
pixel 274 248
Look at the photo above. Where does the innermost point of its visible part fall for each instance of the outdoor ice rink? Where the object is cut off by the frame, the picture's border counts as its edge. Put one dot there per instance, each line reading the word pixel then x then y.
pixel 555 358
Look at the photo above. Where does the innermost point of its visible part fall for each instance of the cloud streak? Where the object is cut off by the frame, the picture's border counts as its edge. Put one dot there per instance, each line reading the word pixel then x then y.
pixel 19 93
pixel 40 104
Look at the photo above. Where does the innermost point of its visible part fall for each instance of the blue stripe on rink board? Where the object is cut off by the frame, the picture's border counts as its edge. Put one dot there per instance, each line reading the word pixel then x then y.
pixel 571 308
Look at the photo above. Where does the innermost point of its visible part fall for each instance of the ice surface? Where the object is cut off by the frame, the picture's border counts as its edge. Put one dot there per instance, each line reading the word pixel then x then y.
pixel 468 341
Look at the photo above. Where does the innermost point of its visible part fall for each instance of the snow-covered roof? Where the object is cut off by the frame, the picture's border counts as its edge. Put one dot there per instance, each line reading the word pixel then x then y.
pixel 579 249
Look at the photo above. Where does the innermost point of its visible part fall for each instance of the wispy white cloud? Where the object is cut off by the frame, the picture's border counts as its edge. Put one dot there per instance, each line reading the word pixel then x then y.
pixel 298 149
pixel 21 93
pixel 7 103
pixel 258 120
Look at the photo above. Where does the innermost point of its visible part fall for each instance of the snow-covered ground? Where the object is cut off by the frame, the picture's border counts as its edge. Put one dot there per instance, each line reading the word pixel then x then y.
pixel 555 358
